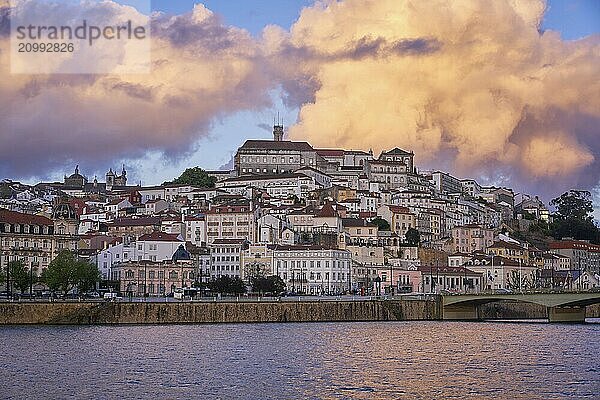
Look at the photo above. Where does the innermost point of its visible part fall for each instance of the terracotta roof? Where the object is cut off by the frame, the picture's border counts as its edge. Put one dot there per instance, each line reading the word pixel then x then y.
pixel 506 245
pixel 575 244
pixel 276 145
pixel 157 236
pixel 326 211
pixel 13 217
pixel 399 209
pixel 355 222
pixel 330 152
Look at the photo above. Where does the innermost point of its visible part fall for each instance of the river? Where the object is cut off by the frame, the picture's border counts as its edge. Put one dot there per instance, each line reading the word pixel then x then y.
pixel 371 360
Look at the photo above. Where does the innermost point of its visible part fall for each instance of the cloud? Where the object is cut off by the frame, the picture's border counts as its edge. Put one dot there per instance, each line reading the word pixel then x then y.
pixel 202 70
pixel 472 85
pixel 265 127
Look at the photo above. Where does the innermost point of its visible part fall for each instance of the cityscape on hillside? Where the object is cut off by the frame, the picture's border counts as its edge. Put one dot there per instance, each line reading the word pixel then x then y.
pixel 426 225
pixel 314 221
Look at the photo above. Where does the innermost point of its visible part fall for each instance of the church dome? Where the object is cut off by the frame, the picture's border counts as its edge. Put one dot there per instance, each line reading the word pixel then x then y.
pixel 181 254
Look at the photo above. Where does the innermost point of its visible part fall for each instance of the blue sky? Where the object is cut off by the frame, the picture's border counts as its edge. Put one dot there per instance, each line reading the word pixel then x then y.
pixel 252 15
pixel 573 18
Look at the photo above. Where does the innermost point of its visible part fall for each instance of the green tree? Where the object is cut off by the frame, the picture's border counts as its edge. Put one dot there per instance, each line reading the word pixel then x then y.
pixel 268 284
pixel 66 272
pixel 225 284
pixel 573 217
pixel 412 237
pixel 87 276
pixel 237 286
pixel 19 275
pixel 196 177
pixel 381 223
pixel 575 204
pixel 575 228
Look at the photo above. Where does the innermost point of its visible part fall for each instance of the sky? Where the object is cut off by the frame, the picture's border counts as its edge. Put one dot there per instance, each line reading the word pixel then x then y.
pixel 503 92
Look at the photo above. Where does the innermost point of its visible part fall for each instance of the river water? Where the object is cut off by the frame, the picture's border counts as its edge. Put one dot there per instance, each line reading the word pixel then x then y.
pixel 383 360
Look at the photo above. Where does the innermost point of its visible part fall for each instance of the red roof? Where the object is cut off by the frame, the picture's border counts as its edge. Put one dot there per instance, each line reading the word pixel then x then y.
pixel 157 236
pixel 326 211
pixel 575 244
pixel 330 152
pixel 501 244
pixel 276 145
pixel 13 217
pixel 399 209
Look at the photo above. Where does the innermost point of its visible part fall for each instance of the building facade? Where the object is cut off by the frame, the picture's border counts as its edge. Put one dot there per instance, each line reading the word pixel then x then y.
pixel 313 269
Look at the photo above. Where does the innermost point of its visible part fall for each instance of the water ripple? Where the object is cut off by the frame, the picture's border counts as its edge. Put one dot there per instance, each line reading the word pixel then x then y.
pixel 310 361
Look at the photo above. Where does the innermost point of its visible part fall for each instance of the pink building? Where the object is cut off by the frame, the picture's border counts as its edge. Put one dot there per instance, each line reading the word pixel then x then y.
pixel 470 238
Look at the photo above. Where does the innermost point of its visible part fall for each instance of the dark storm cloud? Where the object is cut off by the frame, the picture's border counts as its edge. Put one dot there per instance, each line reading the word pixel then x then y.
pixel 365 47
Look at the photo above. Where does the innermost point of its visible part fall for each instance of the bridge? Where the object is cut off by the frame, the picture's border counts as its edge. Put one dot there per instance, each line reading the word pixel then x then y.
pixel 562 307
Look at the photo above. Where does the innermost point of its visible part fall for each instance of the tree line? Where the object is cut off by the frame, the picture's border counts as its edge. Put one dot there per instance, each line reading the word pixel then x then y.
pixel 64 274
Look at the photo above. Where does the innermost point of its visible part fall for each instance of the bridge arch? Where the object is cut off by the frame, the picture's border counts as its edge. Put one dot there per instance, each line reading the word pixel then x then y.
pixel 567 307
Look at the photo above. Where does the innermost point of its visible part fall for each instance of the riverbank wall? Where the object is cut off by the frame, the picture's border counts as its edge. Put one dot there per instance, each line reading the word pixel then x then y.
pixel 89 313
pixel 83 313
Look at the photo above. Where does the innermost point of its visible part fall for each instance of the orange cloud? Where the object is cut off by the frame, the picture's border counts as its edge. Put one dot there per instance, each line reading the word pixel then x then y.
pixel 441 78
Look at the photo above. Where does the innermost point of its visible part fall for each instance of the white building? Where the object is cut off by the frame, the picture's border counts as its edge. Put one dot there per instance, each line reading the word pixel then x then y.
pixel 155 246
pixel 226 257
pixel 195 230
pixel 313 269
pixel 276 185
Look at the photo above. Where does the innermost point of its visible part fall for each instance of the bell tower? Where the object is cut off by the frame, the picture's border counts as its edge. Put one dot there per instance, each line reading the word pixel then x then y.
pixel 278 133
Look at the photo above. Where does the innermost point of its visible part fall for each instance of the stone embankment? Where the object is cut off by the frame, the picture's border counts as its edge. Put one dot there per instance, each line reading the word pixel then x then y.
pixel 216 312
pixel 85 313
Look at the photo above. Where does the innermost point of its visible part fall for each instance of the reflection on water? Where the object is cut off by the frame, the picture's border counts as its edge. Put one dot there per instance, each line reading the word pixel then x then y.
pixel 387 360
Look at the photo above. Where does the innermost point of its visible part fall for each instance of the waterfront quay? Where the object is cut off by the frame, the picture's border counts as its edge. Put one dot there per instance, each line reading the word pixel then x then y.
pixel 245 309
